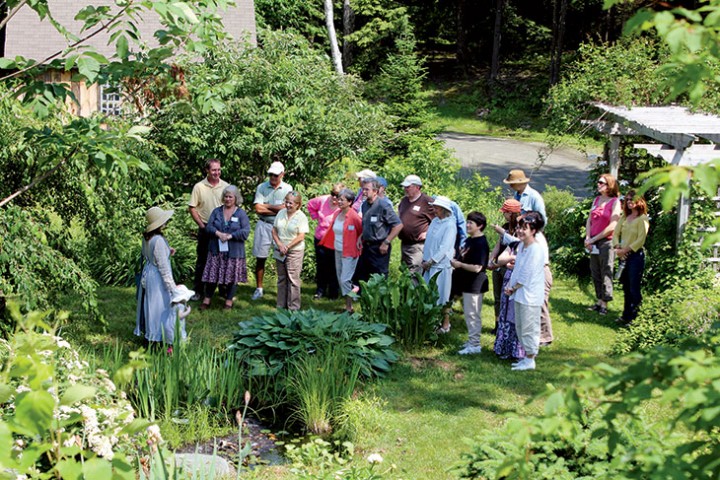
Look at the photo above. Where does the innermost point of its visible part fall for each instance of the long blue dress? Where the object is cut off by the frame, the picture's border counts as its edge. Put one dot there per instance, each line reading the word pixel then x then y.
pixel 155 316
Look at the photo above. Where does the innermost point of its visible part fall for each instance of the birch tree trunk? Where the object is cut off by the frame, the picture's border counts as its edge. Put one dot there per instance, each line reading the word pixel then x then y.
pixel 334 50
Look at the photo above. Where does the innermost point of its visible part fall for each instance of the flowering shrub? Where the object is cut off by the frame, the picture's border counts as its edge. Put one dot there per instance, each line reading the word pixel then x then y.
pixel 321 460
pixel 58 418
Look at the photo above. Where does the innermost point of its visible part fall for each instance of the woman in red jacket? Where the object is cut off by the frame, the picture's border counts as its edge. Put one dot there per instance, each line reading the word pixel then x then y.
pixel 345 237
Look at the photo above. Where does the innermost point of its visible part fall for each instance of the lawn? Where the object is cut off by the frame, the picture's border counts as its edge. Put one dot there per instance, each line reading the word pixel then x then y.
pixel 419 417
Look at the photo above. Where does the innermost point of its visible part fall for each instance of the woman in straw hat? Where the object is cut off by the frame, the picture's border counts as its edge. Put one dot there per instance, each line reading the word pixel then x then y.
pixel 157 286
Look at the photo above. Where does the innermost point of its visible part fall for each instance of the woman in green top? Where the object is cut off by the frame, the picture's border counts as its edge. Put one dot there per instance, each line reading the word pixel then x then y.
pixel 628 240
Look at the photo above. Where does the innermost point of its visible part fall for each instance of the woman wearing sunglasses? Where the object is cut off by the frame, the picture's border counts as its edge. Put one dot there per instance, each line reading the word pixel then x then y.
pixel 601 222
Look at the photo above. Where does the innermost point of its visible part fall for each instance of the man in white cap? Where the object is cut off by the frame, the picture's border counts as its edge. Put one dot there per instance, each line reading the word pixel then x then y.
pixel 206 196
pixel 269 200
pixel 416 213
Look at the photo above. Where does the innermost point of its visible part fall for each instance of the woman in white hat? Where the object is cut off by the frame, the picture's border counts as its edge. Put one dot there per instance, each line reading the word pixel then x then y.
pixel 157 286
pixel 439 251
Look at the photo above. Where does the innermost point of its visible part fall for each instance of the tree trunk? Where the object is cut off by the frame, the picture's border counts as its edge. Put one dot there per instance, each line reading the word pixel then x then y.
pixel 334 50
pixel 559 14
pixel 348 28
pixel 497 37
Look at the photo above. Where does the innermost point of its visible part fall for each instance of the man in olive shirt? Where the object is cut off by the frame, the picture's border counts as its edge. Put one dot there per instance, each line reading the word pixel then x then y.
pixel 380 227
pixel 269 200
pixel 416 214
pixel 206 196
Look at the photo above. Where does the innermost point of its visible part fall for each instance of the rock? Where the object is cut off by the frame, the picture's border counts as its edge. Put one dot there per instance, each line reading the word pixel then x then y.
pixel 199 462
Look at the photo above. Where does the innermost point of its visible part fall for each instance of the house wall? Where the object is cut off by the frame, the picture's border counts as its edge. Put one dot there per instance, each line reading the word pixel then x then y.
pixel 29 37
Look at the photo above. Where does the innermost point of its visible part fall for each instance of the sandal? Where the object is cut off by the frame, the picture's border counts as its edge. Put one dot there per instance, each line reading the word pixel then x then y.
pixel 594 308
pixel 228 306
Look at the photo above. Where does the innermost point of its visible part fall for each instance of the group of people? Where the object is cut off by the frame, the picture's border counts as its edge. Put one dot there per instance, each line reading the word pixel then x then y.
pixel 353 240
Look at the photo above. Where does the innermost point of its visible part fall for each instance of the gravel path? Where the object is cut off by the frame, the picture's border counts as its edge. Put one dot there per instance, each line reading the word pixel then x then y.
pixel 495 157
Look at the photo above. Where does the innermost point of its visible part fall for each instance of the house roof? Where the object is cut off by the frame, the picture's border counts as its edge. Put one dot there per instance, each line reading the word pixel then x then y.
pixel 28 36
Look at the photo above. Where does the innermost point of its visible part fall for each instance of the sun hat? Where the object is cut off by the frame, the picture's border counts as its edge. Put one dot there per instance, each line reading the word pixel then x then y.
pixel 182 294
pixel 367 173
pixel 156 217
pixel 411 180
pixel 276 168
pixel 443 202
pixel 511 206
pixel 516 176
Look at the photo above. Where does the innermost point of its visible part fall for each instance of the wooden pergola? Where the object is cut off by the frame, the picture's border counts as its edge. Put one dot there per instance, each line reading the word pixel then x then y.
pixel 679 136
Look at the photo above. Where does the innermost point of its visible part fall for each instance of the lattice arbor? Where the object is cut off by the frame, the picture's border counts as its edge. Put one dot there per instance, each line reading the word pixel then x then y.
pixel 678 136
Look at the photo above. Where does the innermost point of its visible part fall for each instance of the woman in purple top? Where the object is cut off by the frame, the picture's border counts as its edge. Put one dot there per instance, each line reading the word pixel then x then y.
pixel 604 215
pixel 322 209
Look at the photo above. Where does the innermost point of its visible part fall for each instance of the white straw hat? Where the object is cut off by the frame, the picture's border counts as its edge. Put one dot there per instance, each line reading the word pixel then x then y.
pixel 156 217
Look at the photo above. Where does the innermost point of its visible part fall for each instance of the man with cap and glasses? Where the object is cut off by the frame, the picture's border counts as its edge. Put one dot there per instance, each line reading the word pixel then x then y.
pixel 206 196
pixel 269 200
pixel 416 213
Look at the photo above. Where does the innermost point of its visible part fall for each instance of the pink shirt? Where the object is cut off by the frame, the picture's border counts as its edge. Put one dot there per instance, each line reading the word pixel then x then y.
pixel 600 216
pixel 321 209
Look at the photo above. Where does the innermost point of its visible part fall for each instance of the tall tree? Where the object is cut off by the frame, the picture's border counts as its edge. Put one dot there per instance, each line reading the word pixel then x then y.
pixel 334 50
pixel 558 23
pixel 348 29
pixel 497 37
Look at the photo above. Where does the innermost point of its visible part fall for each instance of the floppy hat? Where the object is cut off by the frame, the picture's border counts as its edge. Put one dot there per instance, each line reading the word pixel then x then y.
pixel 516 176
pixel 156 217
pixel 367 173
pixel 181 294
pixel 443 202
pixel 276 168
pixel 411 180
pixel 511 206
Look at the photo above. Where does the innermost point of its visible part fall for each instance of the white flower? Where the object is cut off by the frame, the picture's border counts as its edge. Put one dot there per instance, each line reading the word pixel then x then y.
pixel 375 458
pixel 154 436
pixel 601 163
pixel 61 343
pixel 22 388
pixel 624 183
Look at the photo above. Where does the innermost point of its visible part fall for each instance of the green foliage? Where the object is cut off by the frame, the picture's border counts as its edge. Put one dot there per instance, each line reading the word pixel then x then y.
pixel 604 426
pixel 302 17
pixel 266 345
pixel 59 419
pixel 320 382
pixel 586 80
pixel 565 229
pixel 35 270
pixel 407 305
pixel 688 309
pixel 281 101
pixel 322 460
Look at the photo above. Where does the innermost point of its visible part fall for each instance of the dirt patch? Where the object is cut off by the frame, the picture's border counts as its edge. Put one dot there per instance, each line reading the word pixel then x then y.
pixel 418 363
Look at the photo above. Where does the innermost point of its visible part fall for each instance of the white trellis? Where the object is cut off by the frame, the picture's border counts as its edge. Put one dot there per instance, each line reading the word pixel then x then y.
pixel 680 137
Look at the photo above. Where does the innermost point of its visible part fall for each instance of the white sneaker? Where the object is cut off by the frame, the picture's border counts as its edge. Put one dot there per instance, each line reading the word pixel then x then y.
pixel 525 364
pixel 470 350
pixel 257 295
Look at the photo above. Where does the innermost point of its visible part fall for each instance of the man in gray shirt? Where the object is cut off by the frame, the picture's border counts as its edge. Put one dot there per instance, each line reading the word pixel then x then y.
pixel 380 227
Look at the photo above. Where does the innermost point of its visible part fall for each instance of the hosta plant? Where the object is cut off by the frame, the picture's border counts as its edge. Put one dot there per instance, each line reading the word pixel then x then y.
pixel 266 344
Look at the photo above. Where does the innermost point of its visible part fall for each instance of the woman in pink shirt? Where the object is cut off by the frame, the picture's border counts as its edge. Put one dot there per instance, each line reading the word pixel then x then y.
pixel 322 209
pixel 604 215
pixel 344 237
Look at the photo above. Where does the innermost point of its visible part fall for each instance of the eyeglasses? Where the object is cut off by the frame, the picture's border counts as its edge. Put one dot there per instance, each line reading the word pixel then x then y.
pixel 602 182
pixel 274 175
pixel 334 195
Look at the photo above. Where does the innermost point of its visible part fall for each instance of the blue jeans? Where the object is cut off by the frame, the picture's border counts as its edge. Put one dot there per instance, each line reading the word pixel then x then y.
pixel 631 279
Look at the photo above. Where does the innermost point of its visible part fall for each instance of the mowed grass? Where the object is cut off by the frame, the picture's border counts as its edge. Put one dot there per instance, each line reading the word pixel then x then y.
pixel 421 416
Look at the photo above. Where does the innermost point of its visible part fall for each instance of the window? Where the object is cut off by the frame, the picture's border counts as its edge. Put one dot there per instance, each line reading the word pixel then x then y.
pixel 110 100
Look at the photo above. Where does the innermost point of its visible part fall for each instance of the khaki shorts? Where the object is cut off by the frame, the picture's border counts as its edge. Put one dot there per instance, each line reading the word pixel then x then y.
pixel 263 240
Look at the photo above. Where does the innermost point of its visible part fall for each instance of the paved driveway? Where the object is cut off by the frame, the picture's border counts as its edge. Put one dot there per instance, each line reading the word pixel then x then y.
pixel 495 157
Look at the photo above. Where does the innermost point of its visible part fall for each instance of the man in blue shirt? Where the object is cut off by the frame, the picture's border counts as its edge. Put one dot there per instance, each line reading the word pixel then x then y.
pixel 529 198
